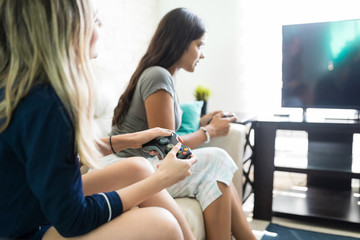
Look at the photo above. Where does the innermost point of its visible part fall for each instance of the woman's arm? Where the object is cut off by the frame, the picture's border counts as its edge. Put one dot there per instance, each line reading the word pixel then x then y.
pixel 131 140
pixel 126 182
pixel 170 171
pixel 159 108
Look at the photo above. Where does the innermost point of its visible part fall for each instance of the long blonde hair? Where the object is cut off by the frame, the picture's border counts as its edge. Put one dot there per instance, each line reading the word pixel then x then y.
pixel 48 41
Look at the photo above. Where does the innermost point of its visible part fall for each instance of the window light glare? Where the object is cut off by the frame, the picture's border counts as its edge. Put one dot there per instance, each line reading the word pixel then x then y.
pixel 289 194
pixel 271 234
pixel 299 188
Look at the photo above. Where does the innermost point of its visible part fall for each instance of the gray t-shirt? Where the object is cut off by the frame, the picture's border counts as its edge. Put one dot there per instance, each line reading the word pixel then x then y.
pixel 151 80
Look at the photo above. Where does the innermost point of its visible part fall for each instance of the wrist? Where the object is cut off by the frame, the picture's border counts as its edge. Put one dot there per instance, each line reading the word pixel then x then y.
pixel 207 134
pixel 111 145
pixel 211 130
pixel 203 122
pixel 161 179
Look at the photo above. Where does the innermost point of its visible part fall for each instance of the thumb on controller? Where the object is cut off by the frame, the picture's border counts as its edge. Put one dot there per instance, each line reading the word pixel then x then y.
pixel 175 149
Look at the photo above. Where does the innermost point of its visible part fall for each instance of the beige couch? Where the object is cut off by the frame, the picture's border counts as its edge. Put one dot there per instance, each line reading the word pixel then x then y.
pixel 233 144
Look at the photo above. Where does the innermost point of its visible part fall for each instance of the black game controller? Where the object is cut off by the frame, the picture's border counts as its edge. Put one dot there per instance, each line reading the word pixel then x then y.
pixel 225 116
pixel 163 145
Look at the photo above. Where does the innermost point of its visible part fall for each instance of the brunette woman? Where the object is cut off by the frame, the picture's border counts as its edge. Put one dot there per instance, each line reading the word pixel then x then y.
pixel 150 100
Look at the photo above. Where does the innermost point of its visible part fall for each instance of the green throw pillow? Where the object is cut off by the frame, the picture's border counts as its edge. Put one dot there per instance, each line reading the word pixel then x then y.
pixel 190 117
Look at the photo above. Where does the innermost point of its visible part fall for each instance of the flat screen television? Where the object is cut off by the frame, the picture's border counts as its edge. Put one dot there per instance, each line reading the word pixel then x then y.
pixel 321 65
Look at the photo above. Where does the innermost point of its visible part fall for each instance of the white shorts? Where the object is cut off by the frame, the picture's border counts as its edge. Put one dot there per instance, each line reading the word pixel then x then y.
pixel 214 165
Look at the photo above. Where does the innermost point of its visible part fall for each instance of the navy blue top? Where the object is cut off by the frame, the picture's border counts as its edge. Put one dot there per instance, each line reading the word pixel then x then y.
pixel 40 179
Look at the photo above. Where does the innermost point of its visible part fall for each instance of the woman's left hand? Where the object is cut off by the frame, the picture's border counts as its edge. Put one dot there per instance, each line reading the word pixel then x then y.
pixel 131 140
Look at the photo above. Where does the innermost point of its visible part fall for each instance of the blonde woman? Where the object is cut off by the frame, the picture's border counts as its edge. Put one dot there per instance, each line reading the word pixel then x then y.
pixel 46 94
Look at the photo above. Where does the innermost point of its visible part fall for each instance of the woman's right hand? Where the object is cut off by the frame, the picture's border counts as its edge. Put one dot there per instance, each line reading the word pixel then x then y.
pixel 219 126
pixel 172 169
pixel 206 119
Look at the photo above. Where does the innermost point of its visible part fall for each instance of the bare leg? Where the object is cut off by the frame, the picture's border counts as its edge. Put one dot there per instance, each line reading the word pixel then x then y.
pixel 127 172
pixel 144 223
pixel 164 200
pixel 239 225
pixel 218 216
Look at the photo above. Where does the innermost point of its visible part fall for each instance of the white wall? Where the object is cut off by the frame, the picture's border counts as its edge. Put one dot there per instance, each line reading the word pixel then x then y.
pixel 243 62
pixel 220 69
pixel 240 67
pixel 125 35
pixel 243 52
pixel 261 43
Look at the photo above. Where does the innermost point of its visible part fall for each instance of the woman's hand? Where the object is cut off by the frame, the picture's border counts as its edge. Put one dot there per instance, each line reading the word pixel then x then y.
pixel 139 138
pixel 220 125
pixel 172 170
pixel 131 140
pixel 204 120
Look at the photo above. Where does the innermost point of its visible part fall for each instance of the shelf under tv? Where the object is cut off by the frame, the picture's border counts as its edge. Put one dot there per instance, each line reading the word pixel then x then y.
pixel 320 172
pixel 318 204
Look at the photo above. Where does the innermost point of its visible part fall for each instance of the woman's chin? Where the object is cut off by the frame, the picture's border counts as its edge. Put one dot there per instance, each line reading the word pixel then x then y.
pixel 192 69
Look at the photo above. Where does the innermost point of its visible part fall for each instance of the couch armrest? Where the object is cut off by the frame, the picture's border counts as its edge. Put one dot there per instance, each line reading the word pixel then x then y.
pixel 233 144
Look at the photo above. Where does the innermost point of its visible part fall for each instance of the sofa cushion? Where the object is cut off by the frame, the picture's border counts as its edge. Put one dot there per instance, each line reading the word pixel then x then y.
pixel 190 117
pixel 193 214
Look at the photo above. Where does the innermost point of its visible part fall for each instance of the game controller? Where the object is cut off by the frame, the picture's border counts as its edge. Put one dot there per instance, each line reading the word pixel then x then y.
pixel 225 116
pixel 163 146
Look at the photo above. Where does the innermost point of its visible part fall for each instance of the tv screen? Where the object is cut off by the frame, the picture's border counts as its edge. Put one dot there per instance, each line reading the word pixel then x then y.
pixel 321 65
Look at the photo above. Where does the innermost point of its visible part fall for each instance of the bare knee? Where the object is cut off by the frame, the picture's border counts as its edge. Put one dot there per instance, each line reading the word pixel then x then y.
pixel 165 224
pixel 141 167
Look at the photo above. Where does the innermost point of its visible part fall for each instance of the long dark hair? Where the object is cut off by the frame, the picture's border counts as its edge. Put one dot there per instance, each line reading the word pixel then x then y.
pixel 176 30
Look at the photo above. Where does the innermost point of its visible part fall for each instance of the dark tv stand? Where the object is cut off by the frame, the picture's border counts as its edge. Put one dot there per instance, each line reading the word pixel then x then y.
pixel 325 148
pixel 330 151
pixel 329 195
